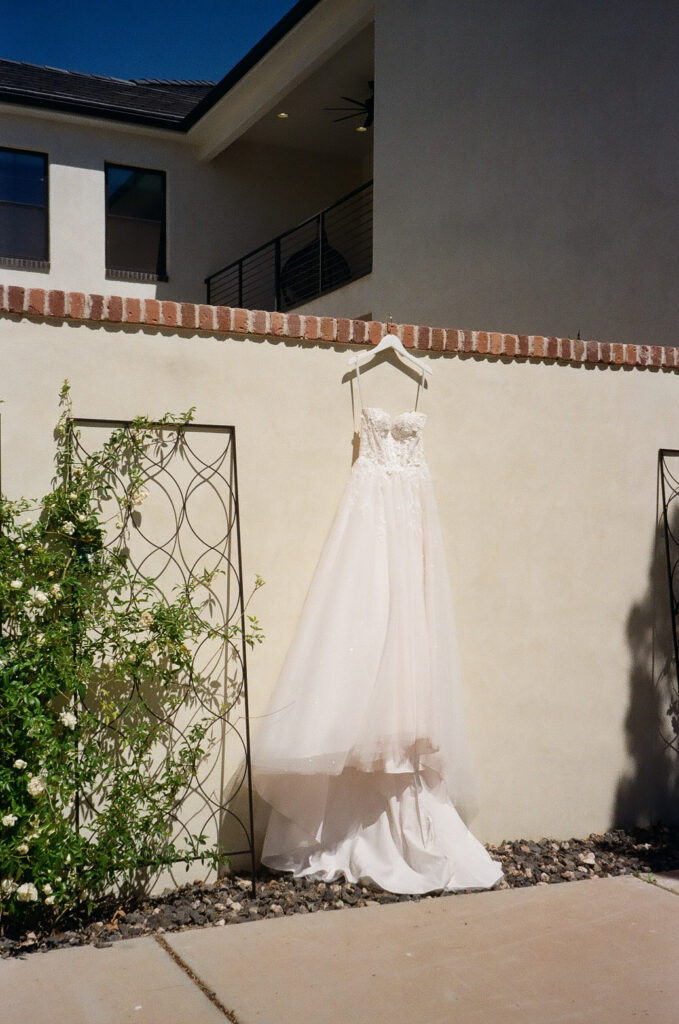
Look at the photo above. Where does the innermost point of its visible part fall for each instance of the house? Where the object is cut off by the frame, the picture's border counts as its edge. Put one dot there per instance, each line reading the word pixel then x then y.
pixel 520 173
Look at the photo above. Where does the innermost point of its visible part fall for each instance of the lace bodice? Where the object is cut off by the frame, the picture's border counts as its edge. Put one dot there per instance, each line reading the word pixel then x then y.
pixel 394 444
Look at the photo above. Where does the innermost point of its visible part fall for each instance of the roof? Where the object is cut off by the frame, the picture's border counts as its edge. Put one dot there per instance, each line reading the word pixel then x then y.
pixel 259 50
pixel 163 104
pixel 144 101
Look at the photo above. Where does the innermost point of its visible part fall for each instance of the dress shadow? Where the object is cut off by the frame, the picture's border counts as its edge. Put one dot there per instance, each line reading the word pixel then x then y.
pixel 648 793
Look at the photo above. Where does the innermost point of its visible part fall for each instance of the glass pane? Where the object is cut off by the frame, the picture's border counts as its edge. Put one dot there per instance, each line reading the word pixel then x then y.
pixel 23 177
pixel 23 232
pixel 132 192
pixel 136 245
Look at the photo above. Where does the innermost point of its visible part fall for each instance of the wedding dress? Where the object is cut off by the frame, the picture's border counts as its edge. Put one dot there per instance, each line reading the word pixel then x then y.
pixel 361 752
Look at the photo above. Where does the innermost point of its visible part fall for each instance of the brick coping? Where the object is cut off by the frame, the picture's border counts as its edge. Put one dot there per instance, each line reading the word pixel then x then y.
pixel 117 309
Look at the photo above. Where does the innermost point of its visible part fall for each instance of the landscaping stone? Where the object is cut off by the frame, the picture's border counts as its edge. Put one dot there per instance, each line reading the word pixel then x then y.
pixel 230 901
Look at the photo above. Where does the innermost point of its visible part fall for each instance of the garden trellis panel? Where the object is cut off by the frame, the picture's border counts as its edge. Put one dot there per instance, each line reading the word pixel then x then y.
pixel 184 523
pixel 668 478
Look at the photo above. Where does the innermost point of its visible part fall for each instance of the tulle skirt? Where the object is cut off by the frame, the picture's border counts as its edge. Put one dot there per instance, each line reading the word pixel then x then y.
pixel 361 753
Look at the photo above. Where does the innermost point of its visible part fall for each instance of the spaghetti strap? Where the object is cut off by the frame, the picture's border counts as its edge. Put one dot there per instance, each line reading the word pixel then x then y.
pixel 420 387
pixel 358 385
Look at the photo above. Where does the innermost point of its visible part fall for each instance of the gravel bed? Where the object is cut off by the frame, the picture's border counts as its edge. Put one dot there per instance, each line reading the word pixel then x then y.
pixel 230 900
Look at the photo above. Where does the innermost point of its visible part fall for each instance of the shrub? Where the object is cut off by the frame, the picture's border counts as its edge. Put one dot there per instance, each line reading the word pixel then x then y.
pixel 89 777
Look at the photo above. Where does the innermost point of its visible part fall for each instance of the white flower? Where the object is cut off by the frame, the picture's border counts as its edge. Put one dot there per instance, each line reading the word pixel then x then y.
pixel 68 719
pixel 39 639
pixel 9 820
pixel 56 590
pixel 49 900
pixel 21 547
pixel 47 889
pixel 20 764
pixel 73 496
pixel 38 596
pixel 7 887
pixel 139 496
pixel 16 584
pixel 22 848
pixel 27 893
pixel 82 518
pixel 35 785
pixel 145 619
pixel 68 527
pixel 119 524
pixel 132 659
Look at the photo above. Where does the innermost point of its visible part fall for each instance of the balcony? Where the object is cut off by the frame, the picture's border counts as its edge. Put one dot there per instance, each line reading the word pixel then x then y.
pixel 324 253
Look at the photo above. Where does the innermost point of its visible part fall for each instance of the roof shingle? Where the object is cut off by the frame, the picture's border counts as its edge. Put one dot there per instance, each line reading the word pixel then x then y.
pixel 143 100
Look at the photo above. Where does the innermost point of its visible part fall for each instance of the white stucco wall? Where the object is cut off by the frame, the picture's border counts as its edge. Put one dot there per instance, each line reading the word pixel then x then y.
pixel 526 162
pixel 217 211
pixel 271 189
pixel 77 151
pixel 546 482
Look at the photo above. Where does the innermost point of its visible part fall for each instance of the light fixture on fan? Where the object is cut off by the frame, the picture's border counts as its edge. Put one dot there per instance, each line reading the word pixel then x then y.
pixel 359 108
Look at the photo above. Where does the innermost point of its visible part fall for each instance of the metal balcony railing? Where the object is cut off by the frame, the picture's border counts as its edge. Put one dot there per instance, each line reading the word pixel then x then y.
pixel 321 254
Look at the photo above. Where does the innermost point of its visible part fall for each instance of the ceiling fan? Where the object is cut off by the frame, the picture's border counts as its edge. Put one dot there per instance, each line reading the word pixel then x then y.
pixel 360 108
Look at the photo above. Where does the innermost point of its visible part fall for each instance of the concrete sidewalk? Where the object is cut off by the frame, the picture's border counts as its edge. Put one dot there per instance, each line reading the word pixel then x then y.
pixel 602 950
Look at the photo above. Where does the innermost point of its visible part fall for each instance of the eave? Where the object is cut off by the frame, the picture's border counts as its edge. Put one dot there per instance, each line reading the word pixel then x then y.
pixel 327 26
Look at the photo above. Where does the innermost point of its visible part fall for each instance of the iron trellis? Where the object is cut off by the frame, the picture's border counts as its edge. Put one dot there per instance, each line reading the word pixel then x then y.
pixel 669 493
pixel 180 477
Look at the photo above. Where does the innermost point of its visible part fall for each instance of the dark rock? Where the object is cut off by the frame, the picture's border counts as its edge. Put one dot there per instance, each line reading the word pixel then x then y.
pixel 230 900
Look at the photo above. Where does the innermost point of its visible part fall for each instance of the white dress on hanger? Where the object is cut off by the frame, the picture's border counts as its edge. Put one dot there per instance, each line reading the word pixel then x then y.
pixel 361 753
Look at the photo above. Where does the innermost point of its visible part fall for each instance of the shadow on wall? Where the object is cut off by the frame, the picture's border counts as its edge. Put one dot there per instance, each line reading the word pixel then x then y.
pixel 649 792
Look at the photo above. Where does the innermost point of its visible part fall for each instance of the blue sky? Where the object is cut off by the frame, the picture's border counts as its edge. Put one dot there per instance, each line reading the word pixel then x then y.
pixel 186 39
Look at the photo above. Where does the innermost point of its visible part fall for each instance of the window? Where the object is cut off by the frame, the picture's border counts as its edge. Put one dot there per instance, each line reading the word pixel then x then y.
pixel 24 236
pixel 135 223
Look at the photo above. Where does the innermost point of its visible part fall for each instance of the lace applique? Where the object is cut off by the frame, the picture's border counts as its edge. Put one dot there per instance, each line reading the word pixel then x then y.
pixel 395 445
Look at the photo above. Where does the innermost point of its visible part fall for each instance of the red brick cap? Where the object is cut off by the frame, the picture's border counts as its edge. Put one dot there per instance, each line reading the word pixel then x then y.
pixel 74 306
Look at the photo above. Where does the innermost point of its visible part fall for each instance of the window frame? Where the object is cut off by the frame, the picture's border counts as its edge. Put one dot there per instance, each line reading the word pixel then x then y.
pixel 24 262
pixel 119 273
